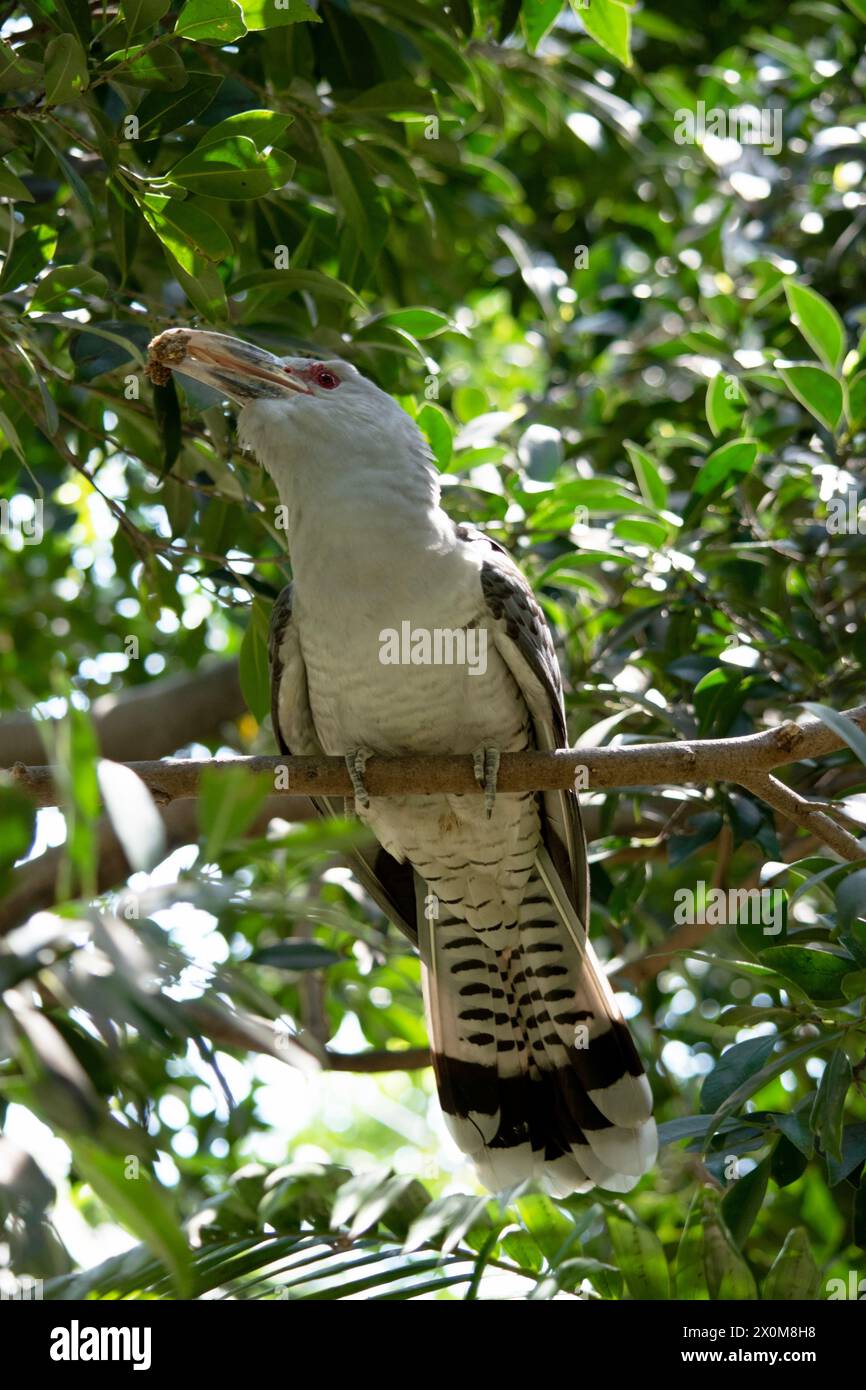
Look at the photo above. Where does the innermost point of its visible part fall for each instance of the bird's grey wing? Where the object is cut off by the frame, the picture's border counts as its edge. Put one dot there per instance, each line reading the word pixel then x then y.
pixel 523 640
pixel 291 716
pixel 389 884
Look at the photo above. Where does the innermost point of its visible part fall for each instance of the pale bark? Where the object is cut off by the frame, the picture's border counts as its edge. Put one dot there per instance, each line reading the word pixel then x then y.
pixel 143 721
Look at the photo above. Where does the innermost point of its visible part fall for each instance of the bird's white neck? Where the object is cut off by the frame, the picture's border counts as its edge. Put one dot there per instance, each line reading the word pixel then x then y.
pixel 352 504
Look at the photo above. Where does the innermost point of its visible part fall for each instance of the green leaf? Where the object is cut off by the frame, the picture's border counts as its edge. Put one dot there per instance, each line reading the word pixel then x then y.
pixel 549 1227
pixel 521 1248
pixel 687 1127
pixel 65 286
pixel 725 465
pixel 829 1109
pixel 31 251
pixel 793 1274
pixel 851 907
pixel 818 973
pixel 66 70
pixel 211 21
pixel 842 726
pixel 301 281
pixel 267 14
pixel 858 1223
pixel 232 169
pixel 725 403
pixel 857 397
pixel 345 191
pixel 142 14
pixel 107 345
pixel 262 127
pixel 368 1198
pixel 537 18
pixel 818 322
pixel 17 71
pixel 436 425
pixel 186 230
pixel 10 437
pixel 854 985
pixel 733 1068
pixel 74 15
pixel 255 672
pixel 609 23
pixel 157 67
pixel 161 112
pixel 25 1191
pixel 17 828
pixel 787 1164
pixel 742 1202
pixel 468 402
pixel 651 533
pixel 204 289
pixel 296 955
pixel 796 1128
pixel 73 746
pixel 649 479
pixel 857 7
pixel 12 187
pixel 132 811
pixel 139 1205
pixel 817 390
pixel 727 1274
pixel 689 1280
pixel 124 222
pixel 62 1090
pixel 229 800
pixel 395 99
pixel 639 1254
pixel 421 323
pixel 771 1069
pixel 446 1222
pixel 72 176
pixel 166 410
pixel 853 1154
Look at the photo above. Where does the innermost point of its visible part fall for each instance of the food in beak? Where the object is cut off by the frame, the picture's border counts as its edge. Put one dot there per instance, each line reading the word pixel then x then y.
pixel 164 352
pixel 219 360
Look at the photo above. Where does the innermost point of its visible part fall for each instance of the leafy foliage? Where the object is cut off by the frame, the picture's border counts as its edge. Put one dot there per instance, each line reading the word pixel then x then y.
pixel 637 350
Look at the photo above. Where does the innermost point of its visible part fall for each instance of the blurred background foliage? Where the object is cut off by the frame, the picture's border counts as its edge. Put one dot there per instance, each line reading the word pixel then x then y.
pixel 639 359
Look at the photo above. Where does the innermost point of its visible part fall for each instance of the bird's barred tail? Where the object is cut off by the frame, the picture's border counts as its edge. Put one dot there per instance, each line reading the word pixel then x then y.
pixel 536 1070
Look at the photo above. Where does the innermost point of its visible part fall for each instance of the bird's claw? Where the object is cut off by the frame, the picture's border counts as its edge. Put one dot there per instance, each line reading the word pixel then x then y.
pixel 356 760
pixel 485 764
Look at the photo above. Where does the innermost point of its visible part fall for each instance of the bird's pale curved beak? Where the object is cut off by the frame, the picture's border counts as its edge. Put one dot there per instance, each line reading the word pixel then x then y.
pixel 237 369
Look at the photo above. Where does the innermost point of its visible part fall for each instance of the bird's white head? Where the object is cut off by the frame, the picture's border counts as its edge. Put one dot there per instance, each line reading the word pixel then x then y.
pixel 297 413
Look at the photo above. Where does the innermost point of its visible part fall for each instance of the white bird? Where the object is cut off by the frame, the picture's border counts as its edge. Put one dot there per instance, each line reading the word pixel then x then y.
pixel 537 1073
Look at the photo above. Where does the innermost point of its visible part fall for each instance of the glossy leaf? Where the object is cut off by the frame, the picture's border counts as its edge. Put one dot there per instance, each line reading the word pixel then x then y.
pixel 727 1274
pixel 609 23
pixel 639 1254
pixel 819 323
pixel 793 1274
pixel 231 169
pixel 210 21
pixel 817 390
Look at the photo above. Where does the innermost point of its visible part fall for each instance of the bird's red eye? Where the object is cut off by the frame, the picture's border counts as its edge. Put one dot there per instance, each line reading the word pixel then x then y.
pixel 324 378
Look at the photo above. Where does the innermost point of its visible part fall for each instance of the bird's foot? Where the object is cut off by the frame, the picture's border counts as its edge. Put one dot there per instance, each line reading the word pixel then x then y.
pixel 356 760
pixel 485 764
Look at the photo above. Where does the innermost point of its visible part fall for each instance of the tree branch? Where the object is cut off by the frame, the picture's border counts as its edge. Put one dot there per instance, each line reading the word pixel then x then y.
pixel 798 809
pixel 691 935
pixel 252 1033
pixel 746 761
